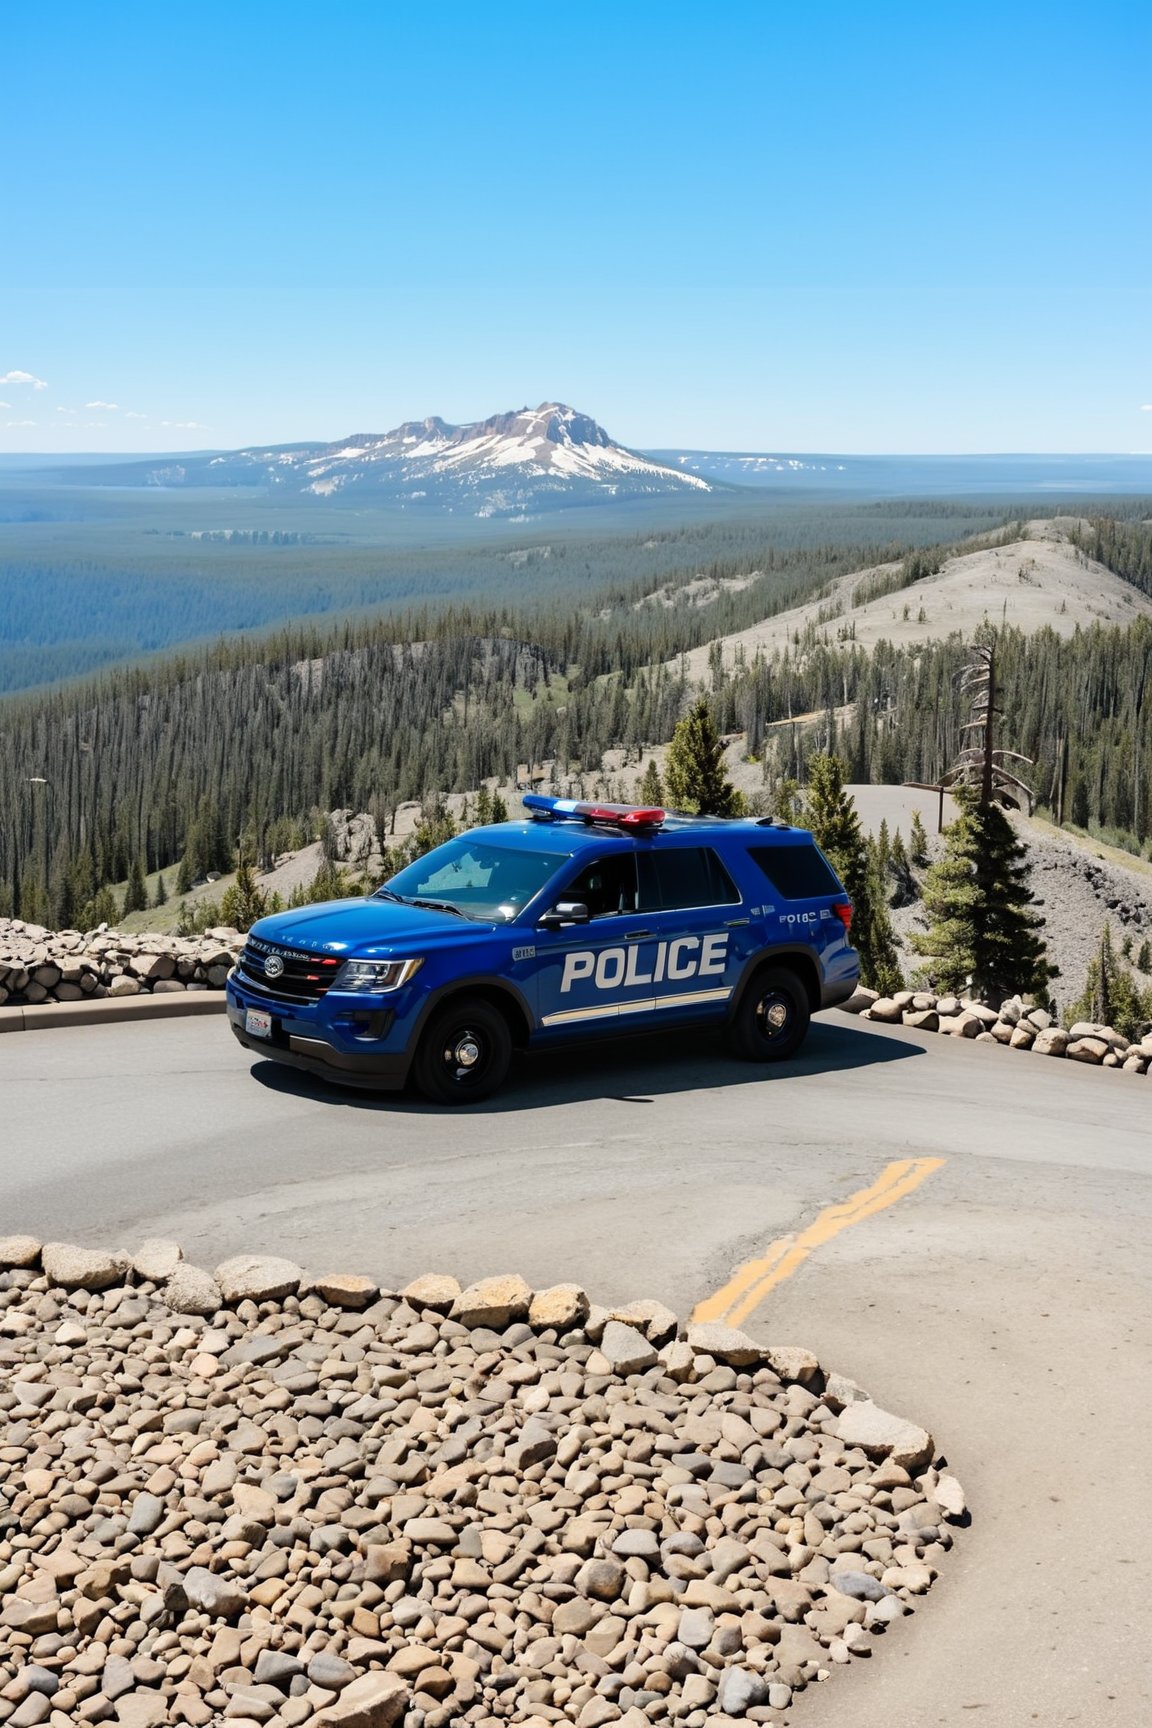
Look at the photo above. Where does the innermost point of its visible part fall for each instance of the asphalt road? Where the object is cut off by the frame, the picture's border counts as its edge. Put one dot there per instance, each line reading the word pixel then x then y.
pixel 1005 1304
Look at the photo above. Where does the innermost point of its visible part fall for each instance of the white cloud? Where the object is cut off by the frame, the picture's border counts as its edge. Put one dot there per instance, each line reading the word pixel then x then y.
pixel 60 410
pixel 23 378
pixel 130 415
pixel 1146 407
pixel 110 406
pixel 185 425
pixel 5 404
pixel 19 422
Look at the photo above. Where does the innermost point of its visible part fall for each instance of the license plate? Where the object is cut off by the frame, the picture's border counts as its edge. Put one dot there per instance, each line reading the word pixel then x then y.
pixel 257 1023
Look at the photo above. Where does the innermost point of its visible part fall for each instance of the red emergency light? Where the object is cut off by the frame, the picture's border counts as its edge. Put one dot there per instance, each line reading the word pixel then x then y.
pixel 632 816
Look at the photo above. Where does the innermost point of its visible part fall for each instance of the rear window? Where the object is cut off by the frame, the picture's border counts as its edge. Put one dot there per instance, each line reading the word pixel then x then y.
pixel 684 876
pixel 797 872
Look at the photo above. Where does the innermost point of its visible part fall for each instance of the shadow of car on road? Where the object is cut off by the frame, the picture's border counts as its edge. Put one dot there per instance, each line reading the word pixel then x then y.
pixel 634 1070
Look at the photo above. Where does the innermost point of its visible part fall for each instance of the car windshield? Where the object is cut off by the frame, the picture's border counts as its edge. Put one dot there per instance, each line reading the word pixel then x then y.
pixel 475 878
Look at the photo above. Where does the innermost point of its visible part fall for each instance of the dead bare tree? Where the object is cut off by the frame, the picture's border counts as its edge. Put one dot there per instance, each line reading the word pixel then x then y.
pixel 981 762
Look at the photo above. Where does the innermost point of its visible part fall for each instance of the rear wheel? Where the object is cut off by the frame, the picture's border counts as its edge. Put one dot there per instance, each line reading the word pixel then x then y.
pixel 772 1017
pixel 464 1053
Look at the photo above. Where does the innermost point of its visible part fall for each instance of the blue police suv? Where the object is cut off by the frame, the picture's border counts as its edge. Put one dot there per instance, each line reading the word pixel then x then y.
pixel 580 920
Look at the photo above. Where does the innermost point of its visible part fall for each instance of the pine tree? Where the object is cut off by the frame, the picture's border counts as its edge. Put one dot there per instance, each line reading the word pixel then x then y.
pixel 184 876
pixel 483 815
pixel 245 901
pixel 902 883
pixel 136 893
pixel 160 898
pixel 917 842
pixel 831 815
pixel 650 791
pixel 694 771
pixel 983 936
pixel 499 812
pixel 1111 995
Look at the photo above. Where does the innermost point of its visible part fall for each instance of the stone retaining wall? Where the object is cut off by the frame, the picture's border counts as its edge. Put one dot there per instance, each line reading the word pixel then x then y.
pixel 258 1496
pixel 38 965
pixel 1014 1024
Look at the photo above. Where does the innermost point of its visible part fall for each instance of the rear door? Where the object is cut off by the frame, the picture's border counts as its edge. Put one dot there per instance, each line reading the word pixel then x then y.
pixel 695 931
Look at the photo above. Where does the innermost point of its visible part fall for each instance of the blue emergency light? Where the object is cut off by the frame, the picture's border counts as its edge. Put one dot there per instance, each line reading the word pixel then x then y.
pixel 627 816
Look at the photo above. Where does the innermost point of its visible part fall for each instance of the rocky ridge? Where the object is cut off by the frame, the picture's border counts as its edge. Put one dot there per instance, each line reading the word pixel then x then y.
pixel 258 1496
pixel 38 965
pixel 1015 1024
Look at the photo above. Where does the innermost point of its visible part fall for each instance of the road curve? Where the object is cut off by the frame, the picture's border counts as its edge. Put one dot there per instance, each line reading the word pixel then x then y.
pixel 1004 1303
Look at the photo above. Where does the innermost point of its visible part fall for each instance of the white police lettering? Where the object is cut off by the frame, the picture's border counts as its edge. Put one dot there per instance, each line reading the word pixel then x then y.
pixel 612 968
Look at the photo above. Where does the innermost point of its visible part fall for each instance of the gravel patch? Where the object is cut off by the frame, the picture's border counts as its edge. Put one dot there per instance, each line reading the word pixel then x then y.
pixel 322 1503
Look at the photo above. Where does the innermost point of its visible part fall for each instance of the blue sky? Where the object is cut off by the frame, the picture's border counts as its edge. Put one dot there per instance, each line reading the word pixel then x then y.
pixel 736 226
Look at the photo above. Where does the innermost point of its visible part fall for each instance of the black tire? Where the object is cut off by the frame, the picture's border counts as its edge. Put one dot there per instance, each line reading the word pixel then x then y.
pixel 772 1017
pixel 464 1052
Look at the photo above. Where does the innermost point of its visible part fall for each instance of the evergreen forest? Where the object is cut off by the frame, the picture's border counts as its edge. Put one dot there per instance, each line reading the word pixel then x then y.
pixel 171 761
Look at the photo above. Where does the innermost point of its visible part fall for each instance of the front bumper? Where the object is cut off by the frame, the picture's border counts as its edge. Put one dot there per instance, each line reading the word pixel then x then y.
pixel 300 1042
pixel 315 1056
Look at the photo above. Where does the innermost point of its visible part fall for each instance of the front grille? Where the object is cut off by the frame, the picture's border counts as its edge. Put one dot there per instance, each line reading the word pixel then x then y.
pixel 305 978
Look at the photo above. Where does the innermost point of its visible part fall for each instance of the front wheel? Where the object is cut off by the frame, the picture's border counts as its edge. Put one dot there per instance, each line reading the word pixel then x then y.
pixel 772 1017
pixel 464 1053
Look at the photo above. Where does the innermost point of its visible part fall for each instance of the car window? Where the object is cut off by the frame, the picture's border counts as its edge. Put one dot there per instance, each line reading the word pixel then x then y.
pixel 483 880
pixel 797 872
pixel 682 877
pixel 606 887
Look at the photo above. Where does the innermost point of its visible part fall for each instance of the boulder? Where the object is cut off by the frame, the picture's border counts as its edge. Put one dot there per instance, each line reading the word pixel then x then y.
pixel 21 1251
pixel 558 1308
pixel 191 1290
pixel 725 1343
pixel 881 1434
pixel 626 1350
pixel 432 1290
pixel 1023 1036
pixel 652 1318
pixel 157 1259
pixel 345 1289
pixel 258 1278
pixel 80 1268
pixel 922 1019
pixel 212 1594
pixel 1052 1041
pixel 887 1010
pixel 860 999
pixel 1086 1049
pixel 372 1700
pixel 791 1362
pixel 494 1302
pixel 961 1025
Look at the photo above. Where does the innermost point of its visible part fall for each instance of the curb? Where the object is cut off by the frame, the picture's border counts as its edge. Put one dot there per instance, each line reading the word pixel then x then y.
pixel 45 1016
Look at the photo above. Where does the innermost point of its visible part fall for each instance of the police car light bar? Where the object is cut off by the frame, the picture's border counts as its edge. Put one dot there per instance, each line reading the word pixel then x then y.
pixel 612 815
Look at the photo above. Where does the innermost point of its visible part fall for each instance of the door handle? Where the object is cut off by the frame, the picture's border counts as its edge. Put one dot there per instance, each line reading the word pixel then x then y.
pixel 636 935
pixel 735 923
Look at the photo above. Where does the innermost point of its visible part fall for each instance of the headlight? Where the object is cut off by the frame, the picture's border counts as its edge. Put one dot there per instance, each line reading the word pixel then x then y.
pixel 375 976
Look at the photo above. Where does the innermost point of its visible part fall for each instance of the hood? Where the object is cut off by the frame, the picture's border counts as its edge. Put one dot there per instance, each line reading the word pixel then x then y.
pixel 362 928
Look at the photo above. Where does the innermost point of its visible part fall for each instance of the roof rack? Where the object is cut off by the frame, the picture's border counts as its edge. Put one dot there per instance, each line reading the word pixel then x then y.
pixel 632 817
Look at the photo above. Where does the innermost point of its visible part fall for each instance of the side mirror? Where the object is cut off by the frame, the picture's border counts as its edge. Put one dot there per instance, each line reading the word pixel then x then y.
pixel 563 913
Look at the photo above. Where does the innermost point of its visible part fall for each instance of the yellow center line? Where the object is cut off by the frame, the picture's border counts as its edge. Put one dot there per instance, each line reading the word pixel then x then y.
pixel 750 1283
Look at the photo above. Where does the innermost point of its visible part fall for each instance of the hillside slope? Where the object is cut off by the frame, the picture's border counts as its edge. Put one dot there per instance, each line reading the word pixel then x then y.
pixel 1032 582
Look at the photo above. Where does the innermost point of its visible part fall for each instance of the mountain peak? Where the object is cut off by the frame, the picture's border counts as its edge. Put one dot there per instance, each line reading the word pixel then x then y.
pixel 511 464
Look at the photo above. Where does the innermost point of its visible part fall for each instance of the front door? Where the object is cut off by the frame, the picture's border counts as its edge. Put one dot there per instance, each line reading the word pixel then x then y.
pixel 666 941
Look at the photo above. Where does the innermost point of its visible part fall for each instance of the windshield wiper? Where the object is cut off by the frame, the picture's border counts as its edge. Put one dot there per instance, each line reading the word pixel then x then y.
pixel 387 894
pixel 440 906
